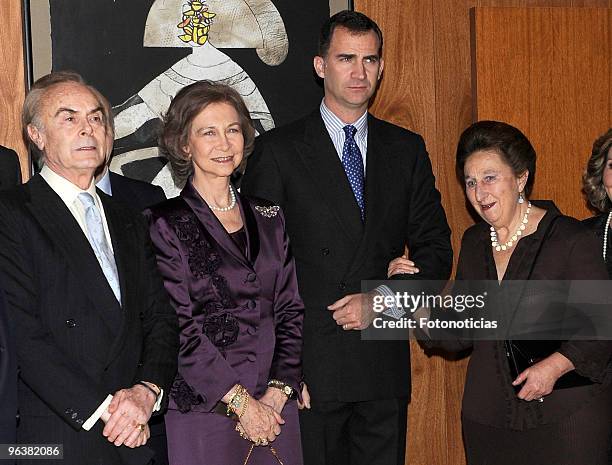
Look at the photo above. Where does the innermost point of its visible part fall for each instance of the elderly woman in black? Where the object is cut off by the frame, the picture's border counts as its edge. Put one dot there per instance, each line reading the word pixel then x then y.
pixel 524 419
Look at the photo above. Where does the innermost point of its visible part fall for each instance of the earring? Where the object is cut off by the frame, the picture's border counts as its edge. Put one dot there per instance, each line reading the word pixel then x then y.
pixel 521 199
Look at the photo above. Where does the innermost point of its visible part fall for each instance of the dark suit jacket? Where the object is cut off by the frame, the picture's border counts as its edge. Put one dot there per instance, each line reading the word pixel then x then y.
pixel 10 171
pixel 75 344
pixel 298 168
pixel 137 194
pixel 8 379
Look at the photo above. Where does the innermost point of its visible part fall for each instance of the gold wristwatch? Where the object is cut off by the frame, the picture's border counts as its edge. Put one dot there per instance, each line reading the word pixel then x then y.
pixel 287 390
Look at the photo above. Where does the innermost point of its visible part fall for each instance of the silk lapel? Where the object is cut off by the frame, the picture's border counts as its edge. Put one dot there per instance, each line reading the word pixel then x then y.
pixel 65 233
pixel 251 229
pixel 212 225
pixel 328 176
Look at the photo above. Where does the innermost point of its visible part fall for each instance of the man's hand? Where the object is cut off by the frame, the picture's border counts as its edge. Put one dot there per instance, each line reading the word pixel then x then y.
pixel 129 409
pixel 354 311
pixel 305 398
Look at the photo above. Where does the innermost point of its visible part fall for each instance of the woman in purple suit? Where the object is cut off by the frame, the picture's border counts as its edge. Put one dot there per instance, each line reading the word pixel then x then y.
pixel 227 267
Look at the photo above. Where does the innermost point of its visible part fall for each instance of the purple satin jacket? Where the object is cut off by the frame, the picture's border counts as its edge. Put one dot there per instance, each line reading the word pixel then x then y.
pixel 239 311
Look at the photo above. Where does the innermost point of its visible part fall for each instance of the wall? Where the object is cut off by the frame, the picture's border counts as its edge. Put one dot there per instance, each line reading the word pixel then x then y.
pixel 12 80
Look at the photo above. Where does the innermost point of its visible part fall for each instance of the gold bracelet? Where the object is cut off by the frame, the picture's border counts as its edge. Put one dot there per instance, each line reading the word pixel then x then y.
pixel 237 402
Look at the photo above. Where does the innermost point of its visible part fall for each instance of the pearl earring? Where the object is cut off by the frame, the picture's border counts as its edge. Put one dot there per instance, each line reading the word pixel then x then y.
pixel 521 199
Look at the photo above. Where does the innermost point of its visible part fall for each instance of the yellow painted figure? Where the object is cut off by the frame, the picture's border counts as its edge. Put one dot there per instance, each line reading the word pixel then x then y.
pixel 196 23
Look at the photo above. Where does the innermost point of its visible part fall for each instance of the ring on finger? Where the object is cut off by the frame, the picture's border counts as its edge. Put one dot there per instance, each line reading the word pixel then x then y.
pixel 345 326
pixel 141 427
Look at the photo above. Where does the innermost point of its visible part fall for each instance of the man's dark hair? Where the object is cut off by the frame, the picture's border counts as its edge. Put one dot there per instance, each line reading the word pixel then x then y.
pixel 355 22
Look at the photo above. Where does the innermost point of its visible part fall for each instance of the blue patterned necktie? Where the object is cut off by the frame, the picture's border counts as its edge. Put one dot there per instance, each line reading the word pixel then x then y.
pixel 353 165
pixel 99 244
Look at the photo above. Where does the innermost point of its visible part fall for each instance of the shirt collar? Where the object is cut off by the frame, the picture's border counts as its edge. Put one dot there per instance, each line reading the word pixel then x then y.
pixel 335 124
pixel 67 191
pixel 104 183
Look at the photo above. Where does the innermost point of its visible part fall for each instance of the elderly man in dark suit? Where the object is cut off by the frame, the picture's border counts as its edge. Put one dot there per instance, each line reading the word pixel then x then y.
pixel 137 194
pixel 10 171
pixel 96 337
pixel 355 191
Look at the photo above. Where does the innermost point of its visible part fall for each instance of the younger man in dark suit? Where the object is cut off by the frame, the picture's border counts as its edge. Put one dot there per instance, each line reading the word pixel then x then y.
pixel 137 194
pixel 355 191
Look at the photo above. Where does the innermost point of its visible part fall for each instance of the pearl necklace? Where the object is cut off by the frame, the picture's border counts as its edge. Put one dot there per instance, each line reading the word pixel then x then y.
pixel 515 237
pixel 605 239
pixel 231 205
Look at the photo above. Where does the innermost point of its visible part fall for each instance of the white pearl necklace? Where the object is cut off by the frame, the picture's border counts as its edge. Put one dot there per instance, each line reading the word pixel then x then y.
pixel 515 237
pixel 231 205
pixel 605 240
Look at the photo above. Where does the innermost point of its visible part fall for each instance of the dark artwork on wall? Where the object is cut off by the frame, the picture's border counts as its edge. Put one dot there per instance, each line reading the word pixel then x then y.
pixel 139 53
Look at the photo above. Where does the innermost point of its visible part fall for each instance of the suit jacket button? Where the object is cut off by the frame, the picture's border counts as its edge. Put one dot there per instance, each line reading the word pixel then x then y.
pixel 251 277
pixel 325 251
pixel 251 357
pixel 74 415
pixel 251 304
pixel 79 421
pixel 68 411
pixel 251 330
pixel 342 286
pixel 71 323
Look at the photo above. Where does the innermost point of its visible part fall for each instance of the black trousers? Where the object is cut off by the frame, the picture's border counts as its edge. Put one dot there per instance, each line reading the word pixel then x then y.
pixel 355 433
pixel 158 441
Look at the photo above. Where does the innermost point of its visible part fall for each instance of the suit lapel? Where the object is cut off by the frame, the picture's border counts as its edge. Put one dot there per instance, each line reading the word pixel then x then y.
pixel 328 175
pixel 378 174
pixel 65 233
pixel 123 237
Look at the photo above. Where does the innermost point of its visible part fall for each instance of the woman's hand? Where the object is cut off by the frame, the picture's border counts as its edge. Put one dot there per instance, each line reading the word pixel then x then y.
pixel 541 378
pixel 401 265
pixel 260 422
pixel 305 398
pixel 275 398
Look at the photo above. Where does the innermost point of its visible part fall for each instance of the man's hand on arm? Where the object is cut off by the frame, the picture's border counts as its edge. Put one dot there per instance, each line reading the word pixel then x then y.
pixel 354 311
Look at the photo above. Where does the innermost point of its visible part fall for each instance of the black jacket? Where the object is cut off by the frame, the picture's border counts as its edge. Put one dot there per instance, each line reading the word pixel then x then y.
pixel 298 168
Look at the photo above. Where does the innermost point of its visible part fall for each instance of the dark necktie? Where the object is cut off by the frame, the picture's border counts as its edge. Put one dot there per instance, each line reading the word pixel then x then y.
pixel 353 166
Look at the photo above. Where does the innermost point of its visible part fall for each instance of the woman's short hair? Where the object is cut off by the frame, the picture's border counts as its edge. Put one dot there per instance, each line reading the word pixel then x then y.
pixel 506 140
pixel 592 180
pixel 186 105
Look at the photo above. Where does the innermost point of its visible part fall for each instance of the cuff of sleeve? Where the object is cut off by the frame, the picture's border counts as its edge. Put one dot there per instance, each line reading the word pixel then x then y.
pixel 157 405
pixel 98 413
pixel 394 311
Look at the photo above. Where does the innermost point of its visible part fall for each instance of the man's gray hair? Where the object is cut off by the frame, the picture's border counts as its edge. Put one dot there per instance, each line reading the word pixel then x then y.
pixel 33 101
